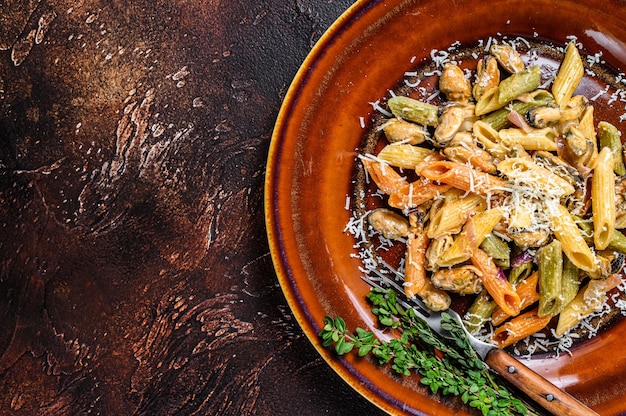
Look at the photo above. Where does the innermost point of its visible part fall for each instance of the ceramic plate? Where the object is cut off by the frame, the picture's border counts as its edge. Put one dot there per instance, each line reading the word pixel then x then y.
pixel 312 168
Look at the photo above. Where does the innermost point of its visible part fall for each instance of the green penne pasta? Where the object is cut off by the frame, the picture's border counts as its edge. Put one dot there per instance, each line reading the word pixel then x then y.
pixel 519 83
pixel 498 250
pixel 519 273
pixel 479 312
pixel 618 242
pixel 609 136
pixel 499 119
pixel 569 282
pixel 550 260
pixel 413 110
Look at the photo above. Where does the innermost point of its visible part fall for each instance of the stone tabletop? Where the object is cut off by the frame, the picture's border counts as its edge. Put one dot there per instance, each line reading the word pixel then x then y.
pixel 135 275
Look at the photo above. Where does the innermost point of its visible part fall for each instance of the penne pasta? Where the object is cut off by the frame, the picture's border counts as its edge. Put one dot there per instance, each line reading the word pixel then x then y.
pixel 610 137
pixel 515 191
pixel 519 328
pixel 383 175
pixel 479 312
pixel 414 194
pixel 510 88
pixel 499 119
pixel 570 285
pixel 588 300
pixel 497 249
pixel 569 76
pixel 472 155
pixel 404 156
pixel 415 279
pixel 550 261
pixel 496 284
pixel 413 110
pixel 416 282
pixel 453 213
pixel 572 241
pixel 488 102
pixel 462 177
pixel 525 171
pixel 603 199
pixel 518 84
pixel 527 291
pixel 535 139
pixel 521 216
pixel 472 236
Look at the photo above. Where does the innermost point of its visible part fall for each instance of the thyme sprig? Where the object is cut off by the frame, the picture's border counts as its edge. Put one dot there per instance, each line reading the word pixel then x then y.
pixel 445 366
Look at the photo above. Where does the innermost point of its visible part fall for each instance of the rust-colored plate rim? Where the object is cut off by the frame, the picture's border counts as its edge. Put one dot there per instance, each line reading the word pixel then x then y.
pixel 275 236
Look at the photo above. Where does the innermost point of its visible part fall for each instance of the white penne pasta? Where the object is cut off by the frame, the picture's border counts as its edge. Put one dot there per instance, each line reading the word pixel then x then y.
pixel 571 238
pixel 586 126
pixel 471 237
pixel 603 199
pixel 569 76
pixel 536 139
pixel 489 138
pixel 528 173
pixel 404 156
pixel 452 215
pixel 589 298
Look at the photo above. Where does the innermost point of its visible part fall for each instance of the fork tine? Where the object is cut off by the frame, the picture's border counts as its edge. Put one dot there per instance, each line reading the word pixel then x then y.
pixel 399 299
pixel 433 319
pixel 416 303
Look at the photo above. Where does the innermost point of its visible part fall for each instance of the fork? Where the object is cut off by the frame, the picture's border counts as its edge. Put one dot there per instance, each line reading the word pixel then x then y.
pixel 539 389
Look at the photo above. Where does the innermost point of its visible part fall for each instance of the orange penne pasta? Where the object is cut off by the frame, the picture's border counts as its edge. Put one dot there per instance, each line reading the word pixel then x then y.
pixel 527 291
pixel 415 271
pixel 499 288
pixel 519 328
pixel 383 175
pixel 462 176
pixel 473 155
pixel 416 193
pixel 415 280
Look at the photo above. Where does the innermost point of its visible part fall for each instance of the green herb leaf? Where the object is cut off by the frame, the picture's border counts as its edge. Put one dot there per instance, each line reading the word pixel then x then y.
pixel 417 349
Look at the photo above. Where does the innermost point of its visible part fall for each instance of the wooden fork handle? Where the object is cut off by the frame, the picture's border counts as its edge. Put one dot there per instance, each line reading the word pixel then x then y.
pixel 546 394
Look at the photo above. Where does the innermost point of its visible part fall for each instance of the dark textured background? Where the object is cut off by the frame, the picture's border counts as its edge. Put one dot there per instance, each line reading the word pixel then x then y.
pixel 135 276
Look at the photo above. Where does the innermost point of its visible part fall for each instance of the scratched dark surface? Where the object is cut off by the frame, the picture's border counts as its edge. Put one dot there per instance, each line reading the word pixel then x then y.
pixel 135 276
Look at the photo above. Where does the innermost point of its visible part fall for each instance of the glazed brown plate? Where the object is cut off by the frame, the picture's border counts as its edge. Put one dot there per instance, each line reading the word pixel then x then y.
pixel 313 158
